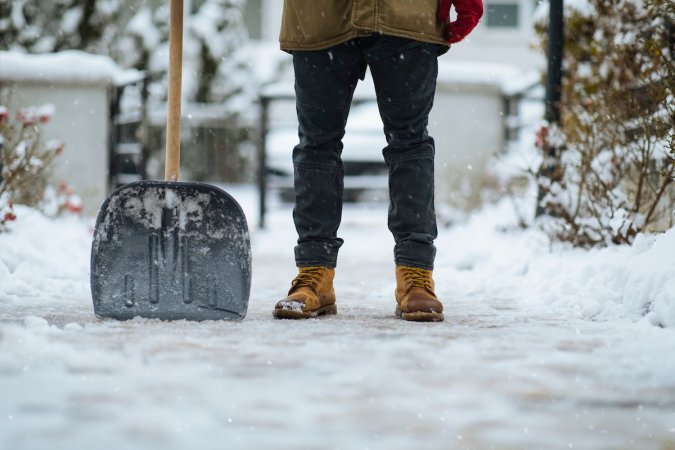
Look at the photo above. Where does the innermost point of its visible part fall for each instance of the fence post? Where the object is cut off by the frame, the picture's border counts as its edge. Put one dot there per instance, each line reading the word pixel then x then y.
pixel 262 160
pixel 555 56
pixel 556 25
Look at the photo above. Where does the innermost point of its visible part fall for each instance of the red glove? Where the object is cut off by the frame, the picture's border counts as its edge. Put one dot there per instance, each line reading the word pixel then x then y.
pixel 469 13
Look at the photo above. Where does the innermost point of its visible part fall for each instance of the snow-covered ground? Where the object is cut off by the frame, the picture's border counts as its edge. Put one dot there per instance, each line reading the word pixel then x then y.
pixel 543 347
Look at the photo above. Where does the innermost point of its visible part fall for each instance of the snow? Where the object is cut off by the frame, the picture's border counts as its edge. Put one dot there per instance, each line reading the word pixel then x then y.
pixel 508 78
pixel 67 66
pixel 265 60
pixel 543 346
pixel 291 305
pixel 71 19
pixel 141 25
pixel 18 19
pixel 634 283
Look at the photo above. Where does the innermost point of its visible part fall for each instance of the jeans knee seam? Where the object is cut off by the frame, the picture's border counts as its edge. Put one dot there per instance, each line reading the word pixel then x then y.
pixel 422 155
pixel 319 108
pixel 317 166
pixel 406 100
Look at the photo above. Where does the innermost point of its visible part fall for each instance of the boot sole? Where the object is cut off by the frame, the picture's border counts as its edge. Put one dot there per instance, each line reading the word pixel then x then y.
pixel 420 316
pixel 291 314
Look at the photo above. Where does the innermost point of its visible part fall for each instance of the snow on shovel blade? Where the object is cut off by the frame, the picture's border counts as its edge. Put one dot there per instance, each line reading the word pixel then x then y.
pixel 171 251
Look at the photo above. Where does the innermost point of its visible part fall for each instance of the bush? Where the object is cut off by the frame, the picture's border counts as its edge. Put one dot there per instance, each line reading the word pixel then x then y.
pixel 25 163
pixel 613 171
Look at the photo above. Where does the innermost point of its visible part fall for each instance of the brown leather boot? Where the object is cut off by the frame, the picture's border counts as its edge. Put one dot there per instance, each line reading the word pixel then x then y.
pixel 415 297
pixel 311 295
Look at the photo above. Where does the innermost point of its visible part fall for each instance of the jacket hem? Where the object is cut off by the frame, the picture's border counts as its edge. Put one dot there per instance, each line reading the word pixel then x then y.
pixel 289 46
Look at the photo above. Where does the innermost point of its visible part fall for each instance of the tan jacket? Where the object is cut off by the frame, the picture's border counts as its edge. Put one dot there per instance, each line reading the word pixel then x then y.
pixel 319 24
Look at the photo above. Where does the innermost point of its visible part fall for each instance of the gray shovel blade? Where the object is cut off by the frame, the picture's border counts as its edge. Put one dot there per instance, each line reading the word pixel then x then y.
pixel 171 251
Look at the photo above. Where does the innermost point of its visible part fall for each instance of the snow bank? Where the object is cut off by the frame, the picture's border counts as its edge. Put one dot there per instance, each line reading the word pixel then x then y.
pixel 632 282
pixel 67 66
pixel 615 283
pixel 42 257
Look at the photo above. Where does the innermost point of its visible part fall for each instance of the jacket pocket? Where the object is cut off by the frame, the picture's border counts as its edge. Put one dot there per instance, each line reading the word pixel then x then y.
pixel 312 21
pixel 416 17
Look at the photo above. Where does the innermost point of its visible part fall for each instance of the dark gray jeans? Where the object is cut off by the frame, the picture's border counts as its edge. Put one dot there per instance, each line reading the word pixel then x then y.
pixel 404 72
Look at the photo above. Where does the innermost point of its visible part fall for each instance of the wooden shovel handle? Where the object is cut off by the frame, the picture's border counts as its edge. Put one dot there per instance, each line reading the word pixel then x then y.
pixel 174 95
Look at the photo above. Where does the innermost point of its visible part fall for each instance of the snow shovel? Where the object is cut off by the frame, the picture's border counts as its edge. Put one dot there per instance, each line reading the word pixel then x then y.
pixel 166 249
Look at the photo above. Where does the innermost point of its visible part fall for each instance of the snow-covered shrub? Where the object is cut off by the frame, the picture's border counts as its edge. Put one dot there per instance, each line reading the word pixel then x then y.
pixel 25 162
pixel 608 170
pixel 43 26
pixel 215 66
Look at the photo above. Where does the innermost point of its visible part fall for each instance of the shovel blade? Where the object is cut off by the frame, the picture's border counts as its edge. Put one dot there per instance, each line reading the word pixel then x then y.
pixel 171 251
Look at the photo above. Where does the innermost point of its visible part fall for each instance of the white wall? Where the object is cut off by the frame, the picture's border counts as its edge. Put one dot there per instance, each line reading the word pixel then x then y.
pixel 466 124
pixel 81 122
pixel 271 19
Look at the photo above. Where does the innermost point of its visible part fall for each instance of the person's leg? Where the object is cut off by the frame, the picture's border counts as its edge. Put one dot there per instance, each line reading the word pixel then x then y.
pixel 405 82
pixel 324 84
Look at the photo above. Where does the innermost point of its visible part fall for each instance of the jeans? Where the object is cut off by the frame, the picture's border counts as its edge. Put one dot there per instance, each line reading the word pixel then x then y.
pixel 404 72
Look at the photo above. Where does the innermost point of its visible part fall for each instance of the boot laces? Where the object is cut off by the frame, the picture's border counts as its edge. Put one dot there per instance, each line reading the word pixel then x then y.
pixel 418 277
pixel 308 276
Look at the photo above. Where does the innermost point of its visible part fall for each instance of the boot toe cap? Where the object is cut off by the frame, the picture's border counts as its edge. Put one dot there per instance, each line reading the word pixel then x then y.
pixel 430 305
